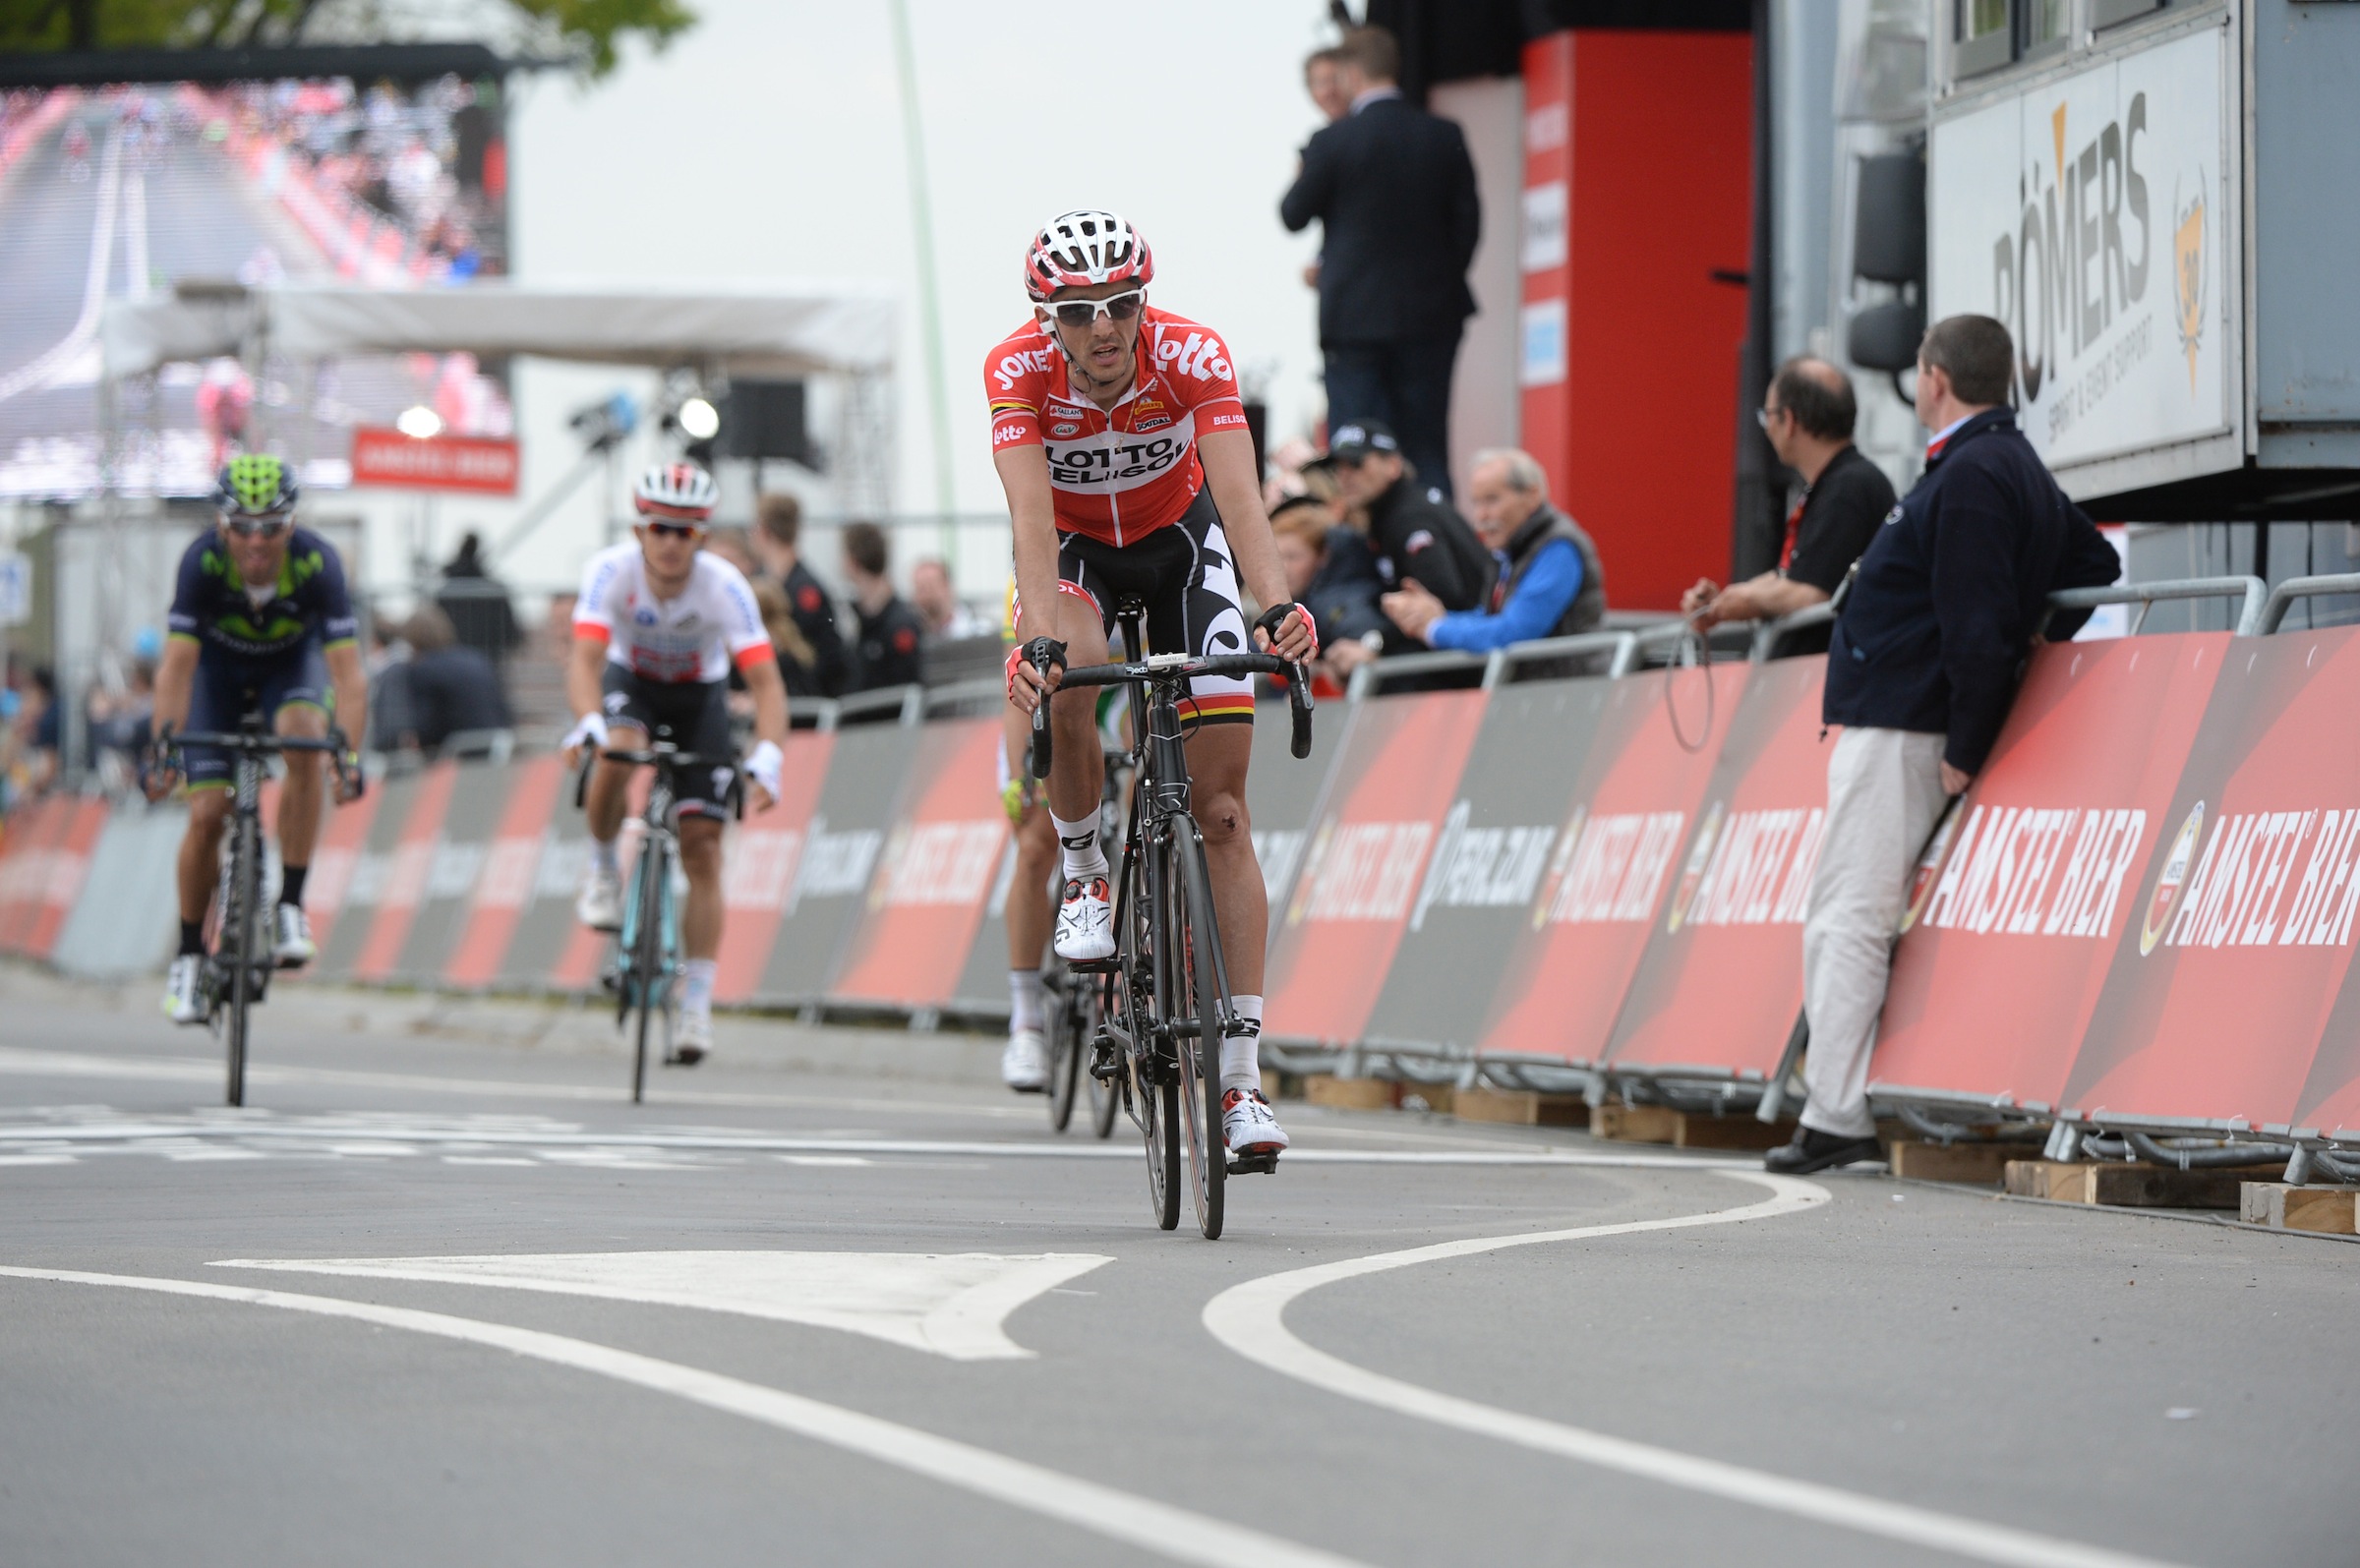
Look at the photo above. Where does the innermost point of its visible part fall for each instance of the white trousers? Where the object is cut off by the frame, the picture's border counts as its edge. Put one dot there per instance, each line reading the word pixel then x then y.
pixel 1884 794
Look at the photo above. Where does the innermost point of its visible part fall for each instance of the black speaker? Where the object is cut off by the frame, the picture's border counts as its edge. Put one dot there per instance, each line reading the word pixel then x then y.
pixel 1888 230
pixel 1885 337
pixel 764 419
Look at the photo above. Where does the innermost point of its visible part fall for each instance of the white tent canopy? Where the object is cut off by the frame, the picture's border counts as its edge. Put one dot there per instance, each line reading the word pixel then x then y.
pixel 778 330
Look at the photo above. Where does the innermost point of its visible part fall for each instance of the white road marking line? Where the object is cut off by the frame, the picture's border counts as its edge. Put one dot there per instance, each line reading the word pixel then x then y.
pixel 1249 1319
pixel 947 1303
pixel 26 1063
pixel 485 1159
pixel 39 1159
pixel 1142 1521
pixel 832 1160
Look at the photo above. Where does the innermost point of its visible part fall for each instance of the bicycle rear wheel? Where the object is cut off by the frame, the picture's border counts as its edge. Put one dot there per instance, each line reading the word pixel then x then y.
pixel 1196 993
pixel 1136 1026
pixel 646 976
pixel 241 892
pixel 1067 1040
pixel 1106 1094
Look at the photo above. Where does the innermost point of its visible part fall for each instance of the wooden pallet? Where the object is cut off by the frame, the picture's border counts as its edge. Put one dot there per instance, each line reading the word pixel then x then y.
pixel 1968 1160
pixel 2332 1209
pixel 1520 1108
pixel 2132 1185
pixel 1351 1094
pixel 1686 1129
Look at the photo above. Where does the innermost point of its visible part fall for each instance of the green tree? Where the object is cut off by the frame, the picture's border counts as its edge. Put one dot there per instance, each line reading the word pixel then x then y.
pixel 592 29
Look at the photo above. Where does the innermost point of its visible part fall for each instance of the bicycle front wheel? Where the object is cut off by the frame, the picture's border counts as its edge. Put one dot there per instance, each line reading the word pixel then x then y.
pixel 646 977
pixel 1138 1027
pixel 1066 1044
pixel 1196 993
pixel 241 892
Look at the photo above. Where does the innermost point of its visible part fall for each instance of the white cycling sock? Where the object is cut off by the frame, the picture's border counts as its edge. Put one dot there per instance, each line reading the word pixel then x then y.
pixel 1241 1054
pixel 1024 1000
pixel 696 986
pixel 602 850
pixel 1079 843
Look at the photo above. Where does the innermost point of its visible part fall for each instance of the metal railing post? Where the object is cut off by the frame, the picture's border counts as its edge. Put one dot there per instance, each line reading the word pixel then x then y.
pixel 2272 613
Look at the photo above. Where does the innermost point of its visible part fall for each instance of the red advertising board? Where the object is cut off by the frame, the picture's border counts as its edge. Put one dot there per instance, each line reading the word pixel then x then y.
pixel 406 874
pixel 69 859
pixel 760 862
pixel 1615 863
pixel 926 896
pixel 2228 965
pixel 1395 777
pixel 504 883
pixel 2022 903
pixel 477 465
pixel 1721 980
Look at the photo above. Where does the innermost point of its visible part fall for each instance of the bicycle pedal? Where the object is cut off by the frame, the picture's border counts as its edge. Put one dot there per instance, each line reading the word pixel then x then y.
pixel 1254 1164
pixel 1111 964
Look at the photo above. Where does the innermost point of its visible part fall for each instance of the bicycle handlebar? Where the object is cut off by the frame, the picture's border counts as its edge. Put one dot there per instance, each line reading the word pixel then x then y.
pixel 1150 670
pixel 666 757
pixel 338 745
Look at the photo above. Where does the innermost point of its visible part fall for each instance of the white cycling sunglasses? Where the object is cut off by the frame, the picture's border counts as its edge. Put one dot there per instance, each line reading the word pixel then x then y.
pixel 1086 313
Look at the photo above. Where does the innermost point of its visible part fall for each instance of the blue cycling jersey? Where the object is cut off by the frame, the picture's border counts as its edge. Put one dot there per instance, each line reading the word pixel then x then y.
pixel 308 606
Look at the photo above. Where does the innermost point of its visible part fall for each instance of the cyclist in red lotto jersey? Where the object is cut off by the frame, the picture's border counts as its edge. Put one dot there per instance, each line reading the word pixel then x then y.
pixel 1120 440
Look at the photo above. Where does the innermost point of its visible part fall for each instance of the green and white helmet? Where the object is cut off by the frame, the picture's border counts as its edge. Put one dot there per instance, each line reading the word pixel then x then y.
pixel 255 485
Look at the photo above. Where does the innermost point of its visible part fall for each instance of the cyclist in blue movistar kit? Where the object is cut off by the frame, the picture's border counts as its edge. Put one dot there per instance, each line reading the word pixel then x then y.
pixel 260 622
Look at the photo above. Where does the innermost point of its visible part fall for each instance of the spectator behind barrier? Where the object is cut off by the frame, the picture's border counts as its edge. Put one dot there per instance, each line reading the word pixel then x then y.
pixel 1413 534
pixel 734 546
pixel 1920 674
pixel 1393 191
pixel 480 612
pixel 887 652
pixel 452 688
pixel 1325 78
pixel 820 667
pixel 939 604
pixel 1808 415
pixel 1549 582
pixel 1328 573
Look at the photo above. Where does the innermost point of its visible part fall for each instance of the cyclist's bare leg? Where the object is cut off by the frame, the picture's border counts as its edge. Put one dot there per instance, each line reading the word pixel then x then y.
pixel 1029 914
pixel 299 793
pixel 700 861
pixel 1216 784
pixel 200 850
pixel 611 784
pixel 1079 773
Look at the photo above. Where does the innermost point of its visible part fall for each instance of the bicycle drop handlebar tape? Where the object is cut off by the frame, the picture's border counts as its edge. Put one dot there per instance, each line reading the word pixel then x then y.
pixel 1043 746
pixel 1298 682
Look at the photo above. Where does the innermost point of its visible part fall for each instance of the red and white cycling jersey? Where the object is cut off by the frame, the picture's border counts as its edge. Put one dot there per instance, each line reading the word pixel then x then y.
pixel 693 636
pixel 1123 473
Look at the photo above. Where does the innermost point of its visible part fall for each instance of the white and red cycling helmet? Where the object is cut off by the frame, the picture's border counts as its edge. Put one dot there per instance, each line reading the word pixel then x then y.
pixel 1077 249
pixel 681 491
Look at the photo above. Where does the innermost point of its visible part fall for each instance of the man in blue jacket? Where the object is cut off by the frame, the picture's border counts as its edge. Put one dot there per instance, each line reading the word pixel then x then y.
pixel 1920 672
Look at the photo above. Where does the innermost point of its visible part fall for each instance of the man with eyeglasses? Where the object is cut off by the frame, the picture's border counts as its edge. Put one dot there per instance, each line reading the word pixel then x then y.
pixel 1122 444
pixel 260 622
pixel 658 625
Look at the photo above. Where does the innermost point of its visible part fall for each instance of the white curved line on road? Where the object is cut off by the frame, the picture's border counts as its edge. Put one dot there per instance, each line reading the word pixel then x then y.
pixel 1249 1319
pixel 36 374
pixel 1141 1522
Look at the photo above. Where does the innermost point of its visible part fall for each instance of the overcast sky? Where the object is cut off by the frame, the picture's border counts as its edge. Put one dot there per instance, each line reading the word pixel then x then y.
pixel 767 145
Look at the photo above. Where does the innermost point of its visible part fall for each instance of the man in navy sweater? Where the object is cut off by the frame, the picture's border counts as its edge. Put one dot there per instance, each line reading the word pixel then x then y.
pixel 1921 669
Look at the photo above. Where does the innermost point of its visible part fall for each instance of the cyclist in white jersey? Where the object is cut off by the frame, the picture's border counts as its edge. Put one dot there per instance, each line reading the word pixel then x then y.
pixel 656 630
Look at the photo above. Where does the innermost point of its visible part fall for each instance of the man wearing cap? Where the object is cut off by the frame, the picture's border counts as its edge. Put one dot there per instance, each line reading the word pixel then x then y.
pixel 1549 582
pixel 1414 533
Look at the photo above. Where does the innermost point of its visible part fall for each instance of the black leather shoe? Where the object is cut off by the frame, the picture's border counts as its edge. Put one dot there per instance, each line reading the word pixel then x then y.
pixel 1814 1151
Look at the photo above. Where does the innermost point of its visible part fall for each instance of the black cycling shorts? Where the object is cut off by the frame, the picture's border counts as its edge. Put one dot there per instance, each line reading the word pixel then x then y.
pixel 1183 574
pixel 227 688
pixel 693 715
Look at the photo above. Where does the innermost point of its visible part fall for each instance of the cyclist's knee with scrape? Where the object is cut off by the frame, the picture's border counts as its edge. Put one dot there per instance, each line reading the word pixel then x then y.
pixel 1221 815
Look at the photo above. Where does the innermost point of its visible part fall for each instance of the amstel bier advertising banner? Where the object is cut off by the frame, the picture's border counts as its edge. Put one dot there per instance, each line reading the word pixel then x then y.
pixel 2020 903
pixel 1721 980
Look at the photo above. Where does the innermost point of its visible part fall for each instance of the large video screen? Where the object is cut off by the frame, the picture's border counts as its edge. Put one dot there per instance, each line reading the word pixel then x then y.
pixel 129 192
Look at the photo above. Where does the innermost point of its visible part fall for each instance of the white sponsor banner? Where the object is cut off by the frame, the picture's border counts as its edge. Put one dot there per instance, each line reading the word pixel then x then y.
pixel 2087 215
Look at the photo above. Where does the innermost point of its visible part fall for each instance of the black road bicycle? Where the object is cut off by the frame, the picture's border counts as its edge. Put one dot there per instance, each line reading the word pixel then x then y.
pixel 645 973
pixel 238 970
pixel 1166 990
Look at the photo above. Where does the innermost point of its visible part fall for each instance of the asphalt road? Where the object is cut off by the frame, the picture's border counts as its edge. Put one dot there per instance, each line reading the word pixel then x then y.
pixel 825 1317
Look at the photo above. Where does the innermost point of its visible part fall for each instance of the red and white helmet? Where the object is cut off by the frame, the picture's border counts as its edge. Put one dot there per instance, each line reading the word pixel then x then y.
pixel 1075 250
pixel 682 491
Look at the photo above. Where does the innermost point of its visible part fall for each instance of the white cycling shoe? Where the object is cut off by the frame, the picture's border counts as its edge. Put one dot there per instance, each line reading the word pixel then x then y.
pixel 692 1039
pixel 1086 921
pixel 1248 1125
pixel 1025 1065
pixel 600 905
pixel 294 948
pixel 184 990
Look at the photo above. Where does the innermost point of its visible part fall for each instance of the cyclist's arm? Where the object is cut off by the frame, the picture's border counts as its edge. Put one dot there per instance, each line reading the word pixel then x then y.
pixel 584 668
pixel 1228 458
pixel 769 691
pixel 350 682
pixel 1032 512
pixel 175 677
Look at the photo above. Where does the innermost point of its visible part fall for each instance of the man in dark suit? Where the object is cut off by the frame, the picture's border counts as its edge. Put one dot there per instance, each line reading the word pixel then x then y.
pixel 1395 193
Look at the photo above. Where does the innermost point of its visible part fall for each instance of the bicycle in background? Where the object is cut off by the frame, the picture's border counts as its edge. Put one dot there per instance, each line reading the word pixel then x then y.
pixel 645 972
pixel 239 964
